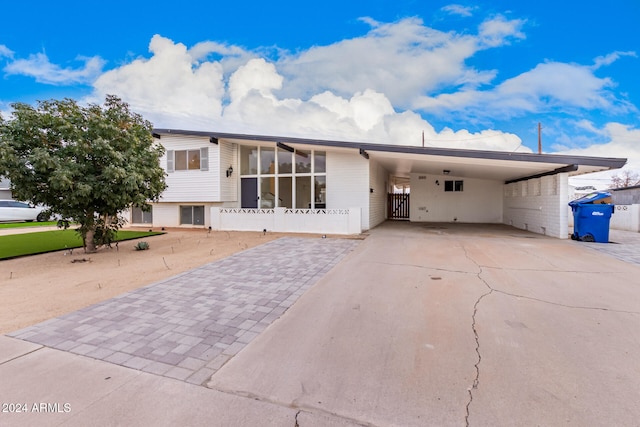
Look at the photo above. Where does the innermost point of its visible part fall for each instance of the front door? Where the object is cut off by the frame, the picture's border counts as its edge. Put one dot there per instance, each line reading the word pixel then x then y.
pixel 249 192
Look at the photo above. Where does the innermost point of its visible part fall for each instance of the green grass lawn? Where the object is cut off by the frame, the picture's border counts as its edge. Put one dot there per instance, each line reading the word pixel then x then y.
pixel 28 224
pixel 48 241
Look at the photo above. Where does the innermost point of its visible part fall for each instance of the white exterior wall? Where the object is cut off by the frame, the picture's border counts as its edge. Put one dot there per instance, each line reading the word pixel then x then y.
pixel 192 185
pixel 626 217
pixel 168 214
pixel 348 183
pixel 539 205
pixel 378 182
pixel 229 186
pixel 479 202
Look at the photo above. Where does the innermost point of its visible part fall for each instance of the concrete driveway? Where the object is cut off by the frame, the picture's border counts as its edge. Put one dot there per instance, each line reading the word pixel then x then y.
pixel 420 325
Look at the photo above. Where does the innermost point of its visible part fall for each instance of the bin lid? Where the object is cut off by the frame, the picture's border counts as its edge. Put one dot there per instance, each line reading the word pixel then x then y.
pixel 599 197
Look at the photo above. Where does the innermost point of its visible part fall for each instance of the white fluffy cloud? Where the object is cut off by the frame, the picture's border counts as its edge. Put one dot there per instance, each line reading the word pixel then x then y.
pixel 403 60
pixel 367 88
pixel 457 9
pixel 624 142
pixel 5 52
pixel 42 70
pixel 547 86
pixel 172 87
pixel 212 86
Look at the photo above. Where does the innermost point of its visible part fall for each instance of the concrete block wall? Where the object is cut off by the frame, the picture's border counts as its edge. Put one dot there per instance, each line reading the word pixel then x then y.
pixel 538 205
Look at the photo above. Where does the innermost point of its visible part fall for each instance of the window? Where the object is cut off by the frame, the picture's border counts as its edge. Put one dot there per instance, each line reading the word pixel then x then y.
pixel 284 161
pixel 320 187
pixel 285 195
pixel 285 179
pixel 268 192
pixel 320 161
pixel 181 160
pixel 193 215
pixel 248 160
pixel 303 192
pixel 453 185
pixel 267 160
pixel 303 161
pixel 138 216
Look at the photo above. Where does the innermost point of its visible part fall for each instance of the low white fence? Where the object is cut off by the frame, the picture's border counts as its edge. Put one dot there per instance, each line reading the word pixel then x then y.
pixel 326 221
pixel 626 217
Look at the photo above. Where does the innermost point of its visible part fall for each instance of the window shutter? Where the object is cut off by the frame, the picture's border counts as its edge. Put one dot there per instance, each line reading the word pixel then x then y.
pixel 170 161
pixel 204 159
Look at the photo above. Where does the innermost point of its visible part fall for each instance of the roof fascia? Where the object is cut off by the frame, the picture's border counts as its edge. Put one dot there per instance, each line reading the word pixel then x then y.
pixel 607 162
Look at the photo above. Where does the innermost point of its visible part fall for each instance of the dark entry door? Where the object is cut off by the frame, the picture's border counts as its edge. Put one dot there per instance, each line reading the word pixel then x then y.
pixel 249 192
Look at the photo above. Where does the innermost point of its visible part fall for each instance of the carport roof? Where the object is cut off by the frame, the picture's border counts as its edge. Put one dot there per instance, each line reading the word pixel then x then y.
pixel 401 160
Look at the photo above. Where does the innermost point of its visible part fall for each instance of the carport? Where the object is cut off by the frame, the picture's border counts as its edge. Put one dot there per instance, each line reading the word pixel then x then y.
pixel 525 190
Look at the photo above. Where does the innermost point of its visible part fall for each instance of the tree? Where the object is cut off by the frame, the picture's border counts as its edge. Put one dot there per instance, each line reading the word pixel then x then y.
pixel 87 164
pixel 625 179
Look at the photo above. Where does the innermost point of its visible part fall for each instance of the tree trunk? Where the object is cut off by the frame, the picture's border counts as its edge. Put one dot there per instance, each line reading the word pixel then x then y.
pixel 89 241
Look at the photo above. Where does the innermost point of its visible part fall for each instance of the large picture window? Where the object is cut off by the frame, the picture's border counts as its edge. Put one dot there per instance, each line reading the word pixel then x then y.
pixel 284 178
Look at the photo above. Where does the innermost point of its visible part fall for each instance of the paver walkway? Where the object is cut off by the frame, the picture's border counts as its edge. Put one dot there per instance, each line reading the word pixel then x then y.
pixel 624 245
pixel 188 326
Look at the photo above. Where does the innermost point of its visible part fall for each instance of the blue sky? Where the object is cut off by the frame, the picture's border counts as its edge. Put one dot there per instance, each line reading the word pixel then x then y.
pixel 469 74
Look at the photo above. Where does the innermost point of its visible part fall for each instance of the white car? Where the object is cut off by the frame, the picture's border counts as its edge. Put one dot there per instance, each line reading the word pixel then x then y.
pixel 13 211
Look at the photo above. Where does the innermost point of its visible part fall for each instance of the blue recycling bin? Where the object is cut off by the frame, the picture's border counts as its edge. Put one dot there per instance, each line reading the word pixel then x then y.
pixel 591 217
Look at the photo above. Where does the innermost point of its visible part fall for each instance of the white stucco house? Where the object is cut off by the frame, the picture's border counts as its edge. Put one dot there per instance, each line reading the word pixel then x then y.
pixel 253 182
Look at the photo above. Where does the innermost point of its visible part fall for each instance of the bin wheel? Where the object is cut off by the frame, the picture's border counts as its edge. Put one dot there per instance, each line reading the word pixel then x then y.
pixel 574 236
pixel 588 238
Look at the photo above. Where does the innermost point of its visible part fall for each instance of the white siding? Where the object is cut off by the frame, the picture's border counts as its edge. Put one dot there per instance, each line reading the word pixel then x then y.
pixel 378 181
pixel 479 202
pixel 191 185
pixel 538 205
pixel 348 183
pixel 229 185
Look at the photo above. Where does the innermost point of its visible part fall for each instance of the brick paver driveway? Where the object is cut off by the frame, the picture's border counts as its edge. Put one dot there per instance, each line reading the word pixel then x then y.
pixel 188 326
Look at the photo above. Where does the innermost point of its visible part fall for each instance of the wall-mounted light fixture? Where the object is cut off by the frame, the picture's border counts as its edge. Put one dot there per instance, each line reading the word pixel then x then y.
pixel 364 154
pixel 446 172
pixel 371 190
pixel 437 182
pixel 229 171
pixel 213 140
pixel 156 135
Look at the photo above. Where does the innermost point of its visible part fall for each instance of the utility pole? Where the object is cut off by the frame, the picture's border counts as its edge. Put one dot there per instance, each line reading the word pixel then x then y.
pixel 539 138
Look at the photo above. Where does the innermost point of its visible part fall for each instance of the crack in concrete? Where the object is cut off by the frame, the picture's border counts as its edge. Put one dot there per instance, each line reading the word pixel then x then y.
pixel 426 267
pixel 577 307
pixel 297 424
pixel 476 380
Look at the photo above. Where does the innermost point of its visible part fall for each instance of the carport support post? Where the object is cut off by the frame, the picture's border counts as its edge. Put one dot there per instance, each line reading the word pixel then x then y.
pixel 563 209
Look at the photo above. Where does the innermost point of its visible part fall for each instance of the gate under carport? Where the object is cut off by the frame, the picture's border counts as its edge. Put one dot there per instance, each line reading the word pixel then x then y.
pixel 398 206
